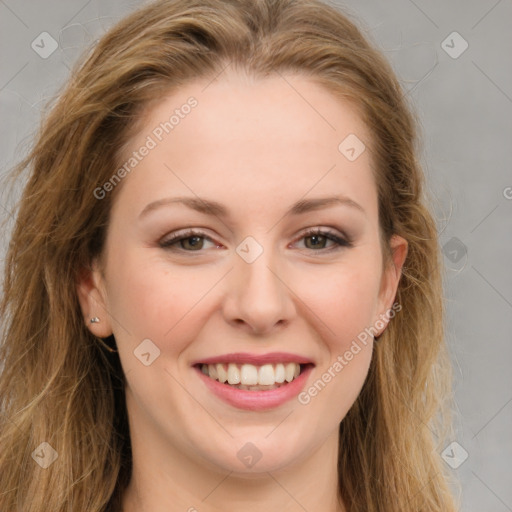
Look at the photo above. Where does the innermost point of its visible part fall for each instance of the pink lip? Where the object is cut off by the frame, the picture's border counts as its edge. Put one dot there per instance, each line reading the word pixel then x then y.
pixel 255 359
pixel 256 400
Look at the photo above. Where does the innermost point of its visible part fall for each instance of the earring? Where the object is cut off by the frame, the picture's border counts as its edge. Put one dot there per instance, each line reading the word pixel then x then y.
pixel 96 320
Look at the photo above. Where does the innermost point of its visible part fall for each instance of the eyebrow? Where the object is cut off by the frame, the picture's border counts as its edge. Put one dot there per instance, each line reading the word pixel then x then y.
pixel 210 207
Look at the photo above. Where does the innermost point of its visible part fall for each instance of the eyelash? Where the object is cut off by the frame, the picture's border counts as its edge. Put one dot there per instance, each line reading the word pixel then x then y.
pixel 330 235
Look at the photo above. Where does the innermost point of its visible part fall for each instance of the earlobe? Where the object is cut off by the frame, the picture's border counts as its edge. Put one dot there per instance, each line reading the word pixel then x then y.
pixel 92 297
pixel 391 278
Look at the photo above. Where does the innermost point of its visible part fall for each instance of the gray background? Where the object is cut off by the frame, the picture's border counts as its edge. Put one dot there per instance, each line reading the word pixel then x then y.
pixel 465 109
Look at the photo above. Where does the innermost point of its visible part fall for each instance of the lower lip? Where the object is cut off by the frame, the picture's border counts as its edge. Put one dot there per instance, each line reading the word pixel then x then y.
pixel 256 400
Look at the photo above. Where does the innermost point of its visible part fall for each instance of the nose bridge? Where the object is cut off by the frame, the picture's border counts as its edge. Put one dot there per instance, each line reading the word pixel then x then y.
pixel 258 295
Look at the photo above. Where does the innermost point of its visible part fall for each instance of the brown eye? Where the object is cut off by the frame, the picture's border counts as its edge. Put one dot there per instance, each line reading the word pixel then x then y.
pixel 318 241
pixel 193 242
pixel 319 238
pixel 190 241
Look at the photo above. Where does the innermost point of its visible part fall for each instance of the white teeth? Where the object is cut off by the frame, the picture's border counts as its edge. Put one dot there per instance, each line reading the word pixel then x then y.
pixel 279 373
pixel 233 374
pixel 266 375
pixel 249 376
pixel 212 370
pixel 289 372
pixel 221 373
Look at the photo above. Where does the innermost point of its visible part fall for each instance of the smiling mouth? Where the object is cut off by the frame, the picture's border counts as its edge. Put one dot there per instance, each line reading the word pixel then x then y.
pixel 249 377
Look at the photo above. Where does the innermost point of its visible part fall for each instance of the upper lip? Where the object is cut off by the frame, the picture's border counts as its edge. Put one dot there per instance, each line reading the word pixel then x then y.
pixel 255 359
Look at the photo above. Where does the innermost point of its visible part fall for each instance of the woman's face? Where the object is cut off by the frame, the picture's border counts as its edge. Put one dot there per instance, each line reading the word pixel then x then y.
pixel 257 164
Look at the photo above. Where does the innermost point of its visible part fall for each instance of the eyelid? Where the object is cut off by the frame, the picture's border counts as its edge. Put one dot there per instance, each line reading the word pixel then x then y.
pixel 183 235
pixel 341 241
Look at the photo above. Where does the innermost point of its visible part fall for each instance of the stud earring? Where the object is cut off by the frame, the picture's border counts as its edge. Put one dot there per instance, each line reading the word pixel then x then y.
pixel 96 320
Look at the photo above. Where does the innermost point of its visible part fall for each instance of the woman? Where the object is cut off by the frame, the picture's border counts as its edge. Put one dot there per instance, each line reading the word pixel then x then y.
pixel 223 288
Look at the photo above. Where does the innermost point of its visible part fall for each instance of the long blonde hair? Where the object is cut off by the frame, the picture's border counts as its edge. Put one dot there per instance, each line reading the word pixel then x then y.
pixel 59 386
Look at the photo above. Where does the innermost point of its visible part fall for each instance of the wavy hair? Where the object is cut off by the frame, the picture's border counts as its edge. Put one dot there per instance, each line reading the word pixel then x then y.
pixel 60 386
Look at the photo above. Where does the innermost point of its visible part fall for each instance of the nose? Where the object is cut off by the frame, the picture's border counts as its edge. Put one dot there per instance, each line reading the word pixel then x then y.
pixel 258 298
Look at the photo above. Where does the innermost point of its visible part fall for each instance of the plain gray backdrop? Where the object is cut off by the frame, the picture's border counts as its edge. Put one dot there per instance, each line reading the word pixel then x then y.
pixel 454 61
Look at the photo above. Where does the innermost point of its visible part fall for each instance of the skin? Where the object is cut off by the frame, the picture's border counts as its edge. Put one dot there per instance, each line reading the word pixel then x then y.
pixel 257 147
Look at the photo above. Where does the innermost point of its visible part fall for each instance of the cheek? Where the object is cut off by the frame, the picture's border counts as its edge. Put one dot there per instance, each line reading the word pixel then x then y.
pixel 338 384
pixel 150 299
pixel 339 301
pixel 343 308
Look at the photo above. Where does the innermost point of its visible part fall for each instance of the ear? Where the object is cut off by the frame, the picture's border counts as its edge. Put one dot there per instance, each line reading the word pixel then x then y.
pixel 92 296
pixel 390 279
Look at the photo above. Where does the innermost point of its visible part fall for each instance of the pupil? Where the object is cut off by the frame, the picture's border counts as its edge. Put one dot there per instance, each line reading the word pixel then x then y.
pixel 316 238
pixel 197 241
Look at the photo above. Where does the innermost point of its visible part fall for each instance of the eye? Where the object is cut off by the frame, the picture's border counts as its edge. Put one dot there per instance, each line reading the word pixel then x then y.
pixel 194 241
pixel 319 237
pixel 190 241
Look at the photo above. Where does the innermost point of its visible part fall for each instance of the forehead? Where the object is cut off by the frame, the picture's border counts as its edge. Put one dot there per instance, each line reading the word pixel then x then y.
pixel 254 139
